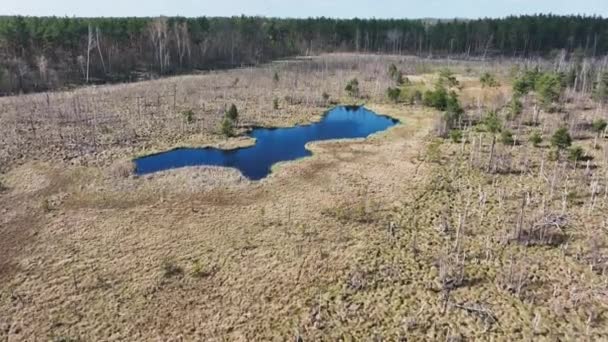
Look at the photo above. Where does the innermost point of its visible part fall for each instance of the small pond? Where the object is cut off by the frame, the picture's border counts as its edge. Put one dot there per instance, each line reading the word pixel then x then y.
pixel 273 145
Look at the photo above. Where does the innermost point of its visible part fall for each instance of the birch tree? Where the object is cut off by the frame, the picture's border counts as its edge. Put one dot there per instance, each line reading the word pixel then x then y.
pixel 182 41
pixel 158 34
pixel 90 46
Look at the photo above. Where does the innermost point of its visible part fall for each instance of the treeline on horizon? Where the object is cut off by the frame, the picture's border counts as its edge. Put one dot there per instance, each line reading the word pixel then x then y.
pixel 45 53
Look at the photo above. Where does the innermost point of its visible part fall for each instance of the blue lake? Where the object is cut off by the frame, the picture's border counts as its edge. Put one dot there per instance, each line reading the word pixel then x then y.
pixel 273 145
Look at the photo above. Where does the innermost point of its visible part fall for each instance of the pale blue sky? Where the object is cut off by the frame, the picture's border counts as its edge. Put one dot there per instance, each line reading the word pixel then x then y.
pixel 305 8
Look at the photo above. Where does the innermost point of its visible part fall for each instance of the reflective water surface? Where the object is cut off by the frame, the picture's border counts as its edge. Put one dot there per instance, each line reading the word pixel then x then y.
pixel 273 145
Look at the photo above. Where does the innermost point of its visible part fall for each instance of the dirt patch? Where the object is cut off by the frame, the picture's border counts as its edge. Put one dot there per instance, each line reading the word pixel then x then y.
pixel 17 233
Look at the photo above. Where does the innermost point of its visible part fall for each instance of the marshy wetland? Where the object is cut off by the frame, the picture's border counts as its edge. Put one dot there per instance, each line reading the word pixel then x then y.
pixel 479 231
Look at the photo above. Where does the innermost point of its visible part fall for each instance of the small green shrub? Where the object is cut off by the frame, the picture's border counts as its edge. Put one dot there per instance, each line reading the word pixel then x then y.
pixel 576 153
pixel 401 80
pixel 536 138
pixel 416 97
pixel 188 115
pixel 393 94
pixel 275 77
pixel 573 198
pixel 227 127
pixel 599 126
pixel 447 78
pixel 488 80
pixel 453 111
pixel 392 71
pixel 352 88
pixel 200 270
pixel 561 139
pixel 171 269
pixel 553 154
pixel 440 99
pixel 548 88
pixel 506 137
pixel 325 96
pixel 46 205
pixel 600 93
pixel 411 95
pixel 526 82
pixel 520 87
pixel 456 135
pixel 275 103
pixel 515 108
pixel 397 76
pixel 492 123
pixel 197 269
pixel 437 99
pixel 232 113
pixel 452 104
pixel 569 78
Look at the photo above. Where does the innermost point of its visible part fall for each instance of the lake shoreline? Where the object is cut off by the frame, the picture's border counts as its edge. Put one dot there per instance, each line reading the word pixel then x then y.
pixel 281 149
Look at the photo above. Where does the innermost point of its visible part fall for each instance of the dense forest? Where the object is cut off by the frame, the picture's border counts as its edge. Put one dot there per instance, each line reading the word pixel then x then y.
pixel 38 54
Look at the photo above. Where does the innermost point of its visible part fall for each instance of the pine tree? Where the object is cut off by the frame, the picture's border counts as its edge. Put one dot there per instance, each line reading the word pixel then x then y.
pixel 599 127
pixel 536 138
pixel 227 127
pixel 352 88
pixel 548 88
pixel 232 113
pixel 561 139
pixel 600 93
pixel 493 126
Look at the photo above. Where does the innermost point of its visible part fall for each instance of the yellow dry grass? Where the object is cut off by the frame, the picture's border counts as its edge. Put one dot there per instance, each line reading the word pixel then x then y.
pixel 348 244
pixel 251 258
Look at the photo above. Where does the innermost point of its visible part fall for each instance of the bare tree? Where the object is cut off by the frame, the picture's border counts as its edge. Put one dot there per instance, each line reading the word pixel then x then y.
pixel 394 37
pixel 22 71
pixel 182 40
pixel 90 46
pixel 82 64
pixel 43 66
pixel 158 34
pixel 98 43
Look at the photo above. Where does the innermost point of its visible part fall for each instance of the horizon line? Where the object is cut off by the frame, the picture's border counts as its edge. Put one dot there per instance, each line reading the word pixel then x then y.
pixel 583 15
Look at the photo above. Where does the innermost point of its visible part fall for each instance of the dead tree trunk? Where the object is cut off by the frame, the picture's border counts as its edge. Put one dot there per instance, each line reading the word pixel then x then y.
pixel 491 153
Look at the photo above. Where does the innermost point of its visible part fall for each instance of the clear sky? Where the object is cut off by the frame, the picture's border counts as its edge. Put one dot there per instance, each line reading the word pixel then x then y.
pixel 305 8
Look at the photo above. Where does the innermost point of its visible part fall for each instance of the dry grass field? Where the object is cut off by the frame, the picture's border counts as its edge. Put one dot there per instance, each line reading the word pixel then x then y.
pixel 399 236
pixel 97 125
